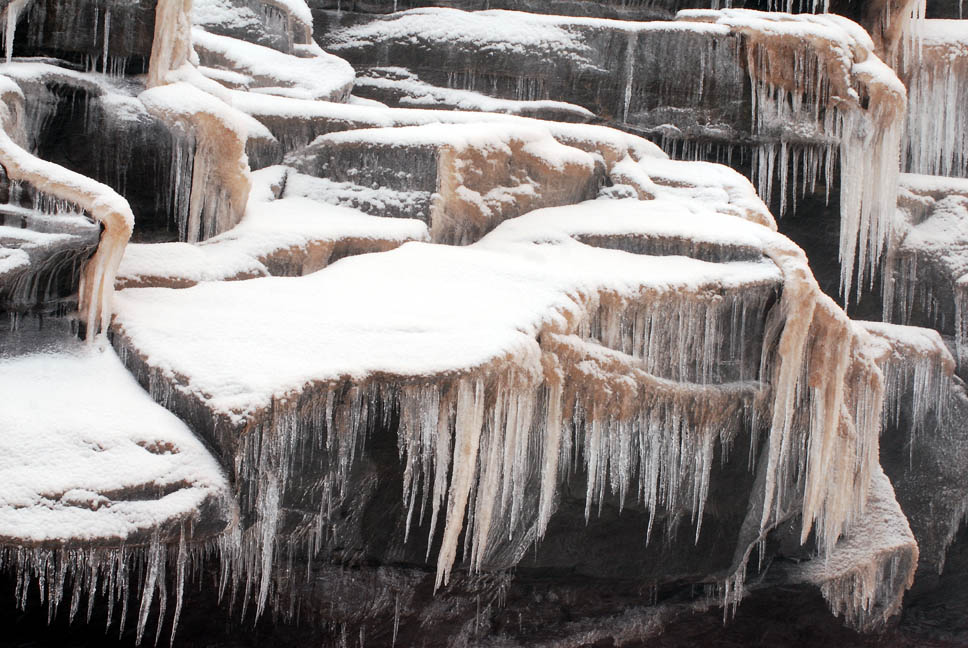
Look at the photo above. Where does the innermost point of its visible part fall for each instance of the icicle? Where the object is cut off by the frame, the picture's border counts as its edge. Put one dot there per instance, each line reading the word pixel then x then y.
pixel 107 40
pixel 551 450
pixel 181 567
pixel 156 568
pixel 470 419
pixel 630 51
pixel 12 14
pixel 867 131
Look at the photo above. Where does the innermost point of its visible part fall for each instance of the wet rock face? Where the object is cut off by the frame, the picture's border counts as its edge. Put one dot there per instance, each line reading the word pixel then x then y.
pixel 927 489
pixel 110 35
pixel 946 9
pixel 645 81
pixel 104 133
pixel 40 261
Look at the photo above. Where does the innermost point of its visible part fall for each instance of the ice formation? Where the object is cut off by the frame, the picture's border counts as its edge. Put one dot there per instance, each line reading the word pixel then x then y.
pixel 523 389
pixel 867 572
pixel 936 74
pixel 605 325
pixel 928 264
pixel 819 92
pixel 62 185
pixel 98 480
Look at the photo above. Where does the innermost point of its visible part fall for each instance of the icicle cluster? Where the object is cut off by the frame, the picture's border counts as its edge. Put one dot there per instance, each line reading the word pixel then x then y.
pixel 124 579
pixel 866 574
pixel 209 165
pixel 484 451
pixel 827 404
pixel 936 73
pixel 802 90
pixel 918 370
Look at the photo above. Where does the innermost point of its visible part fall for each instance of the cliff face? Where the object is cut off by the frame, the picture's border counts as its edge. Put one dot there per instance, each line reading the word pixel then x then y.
pixel 443 345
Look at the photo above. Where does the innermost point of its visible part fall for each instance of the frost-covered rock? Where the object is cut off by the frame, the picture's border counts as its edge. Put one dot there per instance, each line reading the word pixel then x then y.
pixel 101 486
pixel 464 179
pixel 398 86
pixel 620 370
pixel 90 460
pixel 618 361
pixel 279 24
pixel 931 258
pixel 312 75
pixel 924 443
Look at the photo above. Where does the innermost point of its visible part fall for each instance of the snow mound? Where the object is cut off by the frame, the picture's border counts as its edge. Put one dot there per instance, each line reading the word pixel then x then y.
pixel 89 459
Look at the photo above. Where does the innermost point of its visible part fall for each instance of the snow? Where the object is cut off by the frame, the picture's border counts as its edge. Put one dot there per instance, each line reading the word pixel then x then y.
pixel 950 34
pixel 918 370
pixel 447 306
pixel 808 75
pixel 933 184
pixel 272 228
pixel 610 337
pixel 414 92
pixel 498 32
pixel 319 76
pixel 21 247
pixel 537 141
pixel 931 260
pixel 185 101
pixel 89 458
pixel 463 179
pixel 830 27
pixel 665 217
pixel 301 115
pixel 298 9
pixel 224 13
pixel 12 259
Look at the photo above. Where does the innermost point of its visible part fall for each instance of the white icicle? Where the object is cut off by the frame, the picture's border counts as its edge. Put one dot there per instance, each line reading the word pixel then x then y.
pixel 470 419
